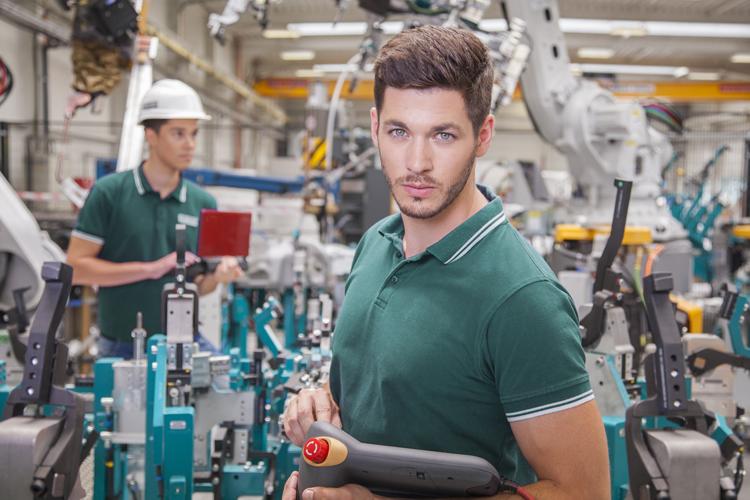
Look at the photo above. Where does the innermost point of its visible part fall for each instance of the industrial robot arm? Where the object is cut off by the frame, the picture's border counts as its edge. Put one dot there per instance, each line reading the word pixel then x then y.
pixel 218 23
pixel 601 137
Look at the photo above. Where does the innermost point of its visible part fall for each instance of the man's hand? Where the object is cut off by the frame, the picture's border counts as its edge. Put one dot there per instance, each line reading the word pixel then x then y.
pixel 348 492
pixel 160 267
pixel 309 406
pixel 228 270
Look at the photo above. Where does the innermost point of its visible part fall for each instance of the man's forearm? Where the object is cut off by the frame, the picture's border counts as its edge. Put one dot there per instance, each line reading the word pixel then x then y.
pixel 95 271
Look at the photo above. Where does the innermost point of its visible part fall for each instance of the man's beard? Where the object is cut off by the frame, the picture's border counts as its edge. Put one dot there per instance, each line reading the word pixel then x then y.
pixel 416 208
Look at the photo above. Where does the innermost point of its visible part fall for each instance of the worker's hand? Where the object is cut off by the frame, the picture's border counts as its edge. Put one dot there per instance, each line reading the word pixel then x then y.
pixel 348 492
pixel 309 406
pixel 228 270
pixel 158 268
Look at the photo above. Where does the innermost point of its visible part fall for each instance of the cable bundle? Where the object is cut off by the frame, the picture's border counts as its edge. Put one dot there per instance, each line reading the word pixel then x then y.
pixel 665 114
pixel 6 81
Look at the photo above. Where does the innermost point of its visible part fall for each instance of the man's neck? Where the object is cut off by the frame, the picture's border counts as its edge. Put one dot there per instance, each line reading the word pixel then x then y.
pixel 419 234
pixel 162 179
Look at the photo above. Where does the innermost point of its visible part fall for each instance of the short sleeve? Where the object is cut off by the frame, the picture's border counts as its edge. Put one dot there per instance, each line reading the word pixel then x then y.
pixel 533 351
pixel 93 220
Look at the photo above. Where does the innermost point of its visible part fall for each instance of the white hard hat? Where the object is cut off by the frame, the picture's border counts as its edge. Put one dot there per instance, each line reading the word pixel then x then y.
pixel 171 99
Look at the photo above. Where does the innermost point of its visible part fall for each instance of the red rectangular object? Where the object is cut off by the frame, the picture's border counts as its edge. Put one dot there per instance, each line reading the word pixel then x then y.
pixel 224 233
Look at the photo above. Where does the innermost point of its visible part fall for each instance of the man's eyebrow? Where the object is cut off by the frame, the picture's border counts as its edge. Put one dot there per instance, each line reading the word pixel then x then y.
pixel 437 128
pixel 445 126
pixel 396 123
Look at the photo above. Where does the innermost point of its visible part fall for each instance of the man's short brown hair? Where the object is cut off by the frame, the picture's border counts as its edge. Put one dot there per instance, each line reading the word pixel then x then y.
pixel 154 124
pixel 437 57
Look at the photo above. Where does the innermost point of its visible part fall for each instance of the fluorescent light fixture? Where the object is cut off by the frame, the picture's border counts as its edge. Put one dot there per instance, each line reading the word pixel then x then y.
pixel 629 31
pixel 655 28
pixel 280 34
pixel 342 29
pixel 699 75
pixel 740 58
pixel 338 68
pixel 628 69
pixel 308 73
pixel 567 25
pixel 595 53
pixel 681 71
pixel 298 55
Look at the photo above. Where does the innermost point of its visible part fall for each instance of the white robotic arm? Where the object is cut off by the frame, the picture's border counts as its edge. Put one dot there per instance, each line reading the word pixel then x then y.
pixel 217 23
pixel 601 137
pixel 23 249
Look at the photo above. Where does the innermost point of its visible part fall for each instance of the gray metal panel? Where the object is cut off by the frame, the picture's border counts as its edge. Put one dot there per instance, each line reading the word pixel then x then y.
pixel 129 395
pixel 212 408
pixel 24 441
pixel 690 461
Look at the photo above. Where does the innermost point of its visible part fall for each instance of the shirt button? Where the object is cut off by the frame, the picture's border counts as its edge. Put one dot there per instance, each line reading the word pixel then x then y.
pixel 394 280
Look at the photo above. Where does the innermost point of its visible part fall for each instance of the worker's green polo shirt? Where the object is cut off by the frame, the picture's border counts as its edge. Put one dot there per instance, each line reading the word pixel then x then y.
pixel 444 350
pixel 132 223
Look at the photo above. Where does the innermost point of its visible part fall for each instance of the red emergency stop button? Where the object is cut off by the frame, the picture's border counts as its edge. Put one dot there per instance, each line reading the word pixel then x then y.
pixel 316 450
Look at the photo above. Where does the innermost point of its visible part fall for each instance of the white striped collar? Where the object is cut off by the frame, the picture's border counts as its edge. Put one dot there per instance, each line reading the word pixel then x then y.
pixel 137 179
pixel 142 185
pixel 459 242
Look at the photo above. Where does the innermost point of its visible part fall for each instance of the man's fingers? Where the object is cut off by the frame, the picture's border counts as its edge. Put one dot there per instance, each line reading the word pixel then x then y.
pixel 305 411
pixel 336 419
pixel 344 493
pixel 290 488
pixel 294 431
pixel 323 406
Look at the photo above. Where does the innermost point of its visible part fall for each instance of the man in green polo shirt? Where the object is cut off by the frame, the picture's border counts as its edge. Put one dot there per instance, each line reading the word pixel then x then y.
pixel 124 240
pixel 454 335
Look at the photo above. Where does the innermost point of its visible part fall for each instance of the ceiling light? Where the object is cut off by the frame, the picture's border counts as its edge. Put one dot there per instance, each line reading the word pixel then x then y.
pixel 298 55
pixel 280 34
pixel 681 71
pixel 629 31
pixel 654 28
pixel 567 25
pixel 628 69
pixel 740 58
pixel 699 75
pixel 595 53
pixel 308 73
pixel 338 68
pixel 342 29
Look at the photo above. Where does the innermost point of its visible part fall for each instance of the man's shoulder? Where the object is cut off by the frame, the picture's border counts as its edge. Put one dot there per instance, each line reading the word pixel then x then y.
pixel 509 259
pixel 114 182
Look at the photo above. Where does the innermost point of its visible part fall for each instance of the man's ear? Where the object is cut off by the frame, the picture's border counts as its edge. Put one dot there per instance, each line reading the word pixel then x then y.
pixel 484 138
pixel 150 135
pixel 374 125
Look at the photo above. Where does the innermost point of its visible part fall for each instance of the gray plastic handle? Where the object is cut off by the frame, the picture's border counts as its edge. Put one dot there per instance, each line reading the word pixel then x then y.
pixel 392 471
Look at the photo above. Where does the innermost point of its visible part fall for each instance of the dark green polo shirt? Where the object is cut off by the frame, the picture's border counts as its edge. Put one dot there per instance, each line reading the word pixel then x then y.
pixel 442 351
pixel 132 223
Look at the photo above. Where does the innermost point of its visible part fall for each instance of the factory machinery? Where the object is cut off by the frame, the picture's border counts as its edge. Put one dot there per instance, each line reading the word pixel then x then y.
pixel 175 420
pixel 666 394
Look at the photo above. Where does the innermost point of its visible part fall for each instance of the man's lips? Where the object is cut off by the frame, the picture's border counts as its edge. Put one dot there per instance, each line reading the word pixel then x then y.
pixel 418 190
